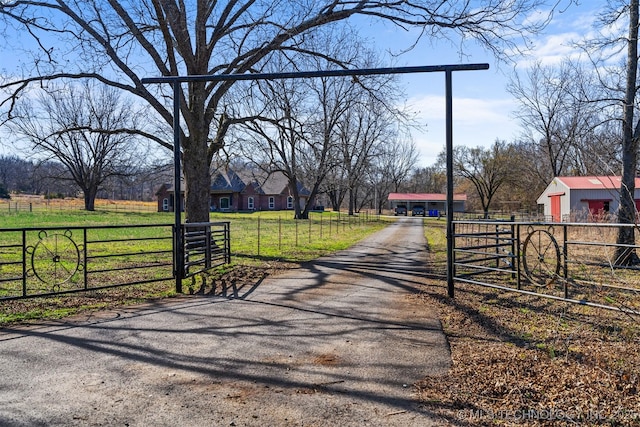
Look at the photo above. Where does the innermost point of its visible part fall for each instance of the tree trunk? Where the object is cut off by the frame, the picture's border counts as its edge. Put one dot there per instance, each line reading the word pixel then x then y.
pixel 90 199
pixel 351 201
pixel 293 187
pixel 334 198
pixel 195 163
pixel 627 211
pixel 197 154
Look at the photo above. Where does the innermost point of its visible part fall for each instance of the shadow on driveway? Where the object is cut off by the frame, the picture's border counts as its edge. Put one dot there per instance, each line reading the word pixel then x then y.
pixel 338 341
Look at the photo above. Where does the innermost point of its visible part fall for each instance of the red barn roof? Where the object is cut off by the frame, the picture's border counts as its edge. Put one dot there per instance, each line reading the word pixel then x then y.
pixel 424 197
pixel 593 182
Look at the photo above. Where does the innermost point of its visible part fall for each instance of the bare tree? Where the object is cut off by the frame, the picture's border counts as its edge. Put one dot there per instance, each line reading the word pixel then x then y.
pixel 118 43
pixel 398 160
pixel 533 174
pixel 619 89
pixel 554 111
pixel 335 187
pixel 51 179
pixel 313 129
pixel 85 128
pixel 362 132
pixel 487 169
pixel 13 171
pixel 630 136
pixel 301 139
pixel 428 179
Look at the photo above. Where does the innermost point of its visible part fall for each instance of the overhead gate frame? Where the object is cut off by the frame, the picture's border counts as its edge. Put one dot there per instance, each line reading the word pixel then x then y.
pixel 176 82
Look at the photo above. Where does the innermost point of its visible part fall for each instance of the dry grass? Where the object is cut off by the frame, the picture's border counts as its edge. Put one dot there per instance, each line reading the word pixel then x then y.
pixel 516 359
pixel 524 360
pixel 515 354
pixel 580 260
pixel 26 202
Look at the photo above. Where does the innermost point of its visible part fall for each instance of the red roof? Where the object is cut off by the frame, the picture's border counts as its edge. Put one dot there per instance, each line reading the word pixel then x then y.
pixel 593 182
pixel 424 197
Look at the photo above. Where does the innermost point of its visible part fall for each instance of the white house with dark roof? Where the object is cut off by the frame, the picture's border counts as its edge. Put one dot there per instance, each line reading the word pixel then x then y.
pixel 583 198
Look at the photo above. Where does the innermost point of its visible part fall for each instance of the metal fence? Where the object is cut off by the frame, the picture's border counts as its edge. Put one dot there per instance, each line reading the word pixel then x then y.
pixel 39 204
pixel 206 246
pixel 59 260
pixel 574 262
pixel 279 236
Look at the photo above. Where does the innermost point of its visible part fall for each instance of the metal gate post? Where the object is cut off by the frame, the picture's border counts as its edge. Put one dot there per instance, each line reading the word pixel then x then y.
pixel 449 148
pixel 177 196
pixel 518 258
pixel 447 69
pixel 227 239
pixel 514 253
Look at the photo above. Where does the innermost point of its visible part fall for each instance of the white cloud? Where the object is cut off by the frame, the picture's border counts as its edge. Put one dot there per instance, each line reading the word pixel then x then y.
pixel 569 27
pixel 467 111
pixel 476 122
pixel 554 48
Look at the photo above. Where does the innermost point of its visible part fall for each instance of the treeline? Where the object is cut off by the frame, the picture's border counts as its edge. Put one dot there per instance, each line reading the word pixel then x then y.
pixel 51 179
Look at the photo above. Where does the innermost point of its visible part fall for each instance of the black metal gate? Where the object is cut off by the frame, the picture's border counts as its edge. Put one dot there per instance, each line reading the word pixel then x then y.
pixel 206 246
pixel 573 262
pixel 59 260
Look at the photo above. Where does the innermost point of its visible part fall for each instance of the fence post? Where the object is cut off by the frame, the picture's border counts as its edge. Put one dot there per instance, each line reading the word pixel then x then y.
pixel 24 262
pixel 280 233
pixel 565 248
pixel 227 228
pixel 498 242
pixel 451 269
pixel 258 236
pixel 207 247
pixel 518 259
pixel 513 247
pixel 309 228
pixel 296 222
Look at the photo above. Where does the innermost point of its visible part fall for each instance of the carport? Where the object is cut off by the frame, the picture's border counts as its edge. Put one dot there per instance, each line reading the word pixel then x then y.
pixel 435 204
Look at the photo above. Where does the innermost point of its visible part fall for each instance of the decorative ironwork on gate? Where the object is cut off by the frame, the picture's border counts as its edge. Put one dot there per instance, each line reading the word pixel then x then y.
pixel 574 262
pixel 58 260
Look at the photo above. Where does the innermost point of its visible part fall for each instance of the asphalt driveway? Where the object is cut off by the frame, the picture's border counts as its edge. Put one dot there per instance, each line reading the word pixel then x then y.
pixel 337 342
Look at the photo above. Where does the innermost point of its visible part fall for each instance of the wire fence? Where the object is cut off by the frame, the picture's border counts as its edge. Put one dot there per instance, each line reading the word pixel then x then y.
pixel 42 204
pixel 284 236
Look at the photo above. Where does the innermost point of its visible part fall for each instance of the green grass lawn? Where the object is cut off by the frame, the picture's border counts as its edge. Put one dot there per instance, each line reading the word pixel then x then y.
pixel 256 239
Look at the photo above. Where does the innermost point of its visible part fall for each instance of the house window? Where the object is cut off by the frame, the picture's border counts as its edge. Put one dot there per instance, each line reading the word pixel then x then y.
pixel 224 203
pixel 165 204
pixel 289 202
pixel 250 203
pixel 272 202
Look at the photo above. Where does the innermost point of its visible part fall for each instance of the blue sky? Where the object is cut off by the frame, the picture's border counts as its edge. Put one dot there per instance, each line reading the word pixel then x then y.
pixel 483 110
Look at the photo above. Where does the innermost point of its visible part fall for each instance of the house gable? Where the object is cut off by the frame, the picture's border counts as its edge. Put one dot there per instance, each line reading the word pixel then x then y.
pixel 258 191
